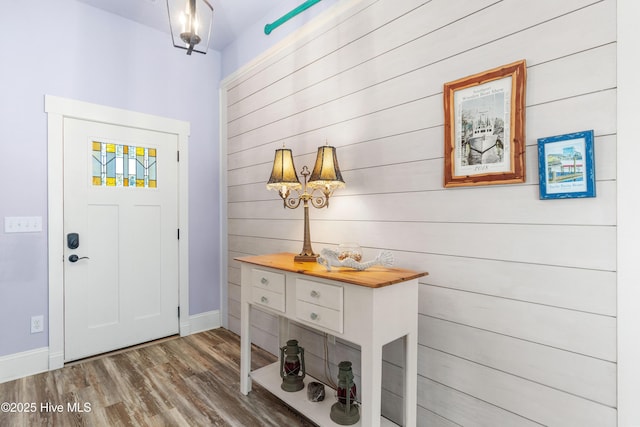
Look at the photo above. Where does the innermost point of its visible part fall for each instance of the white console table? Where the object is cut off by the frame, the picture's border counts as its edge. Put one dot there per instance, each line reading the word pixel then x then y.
pixel 370 308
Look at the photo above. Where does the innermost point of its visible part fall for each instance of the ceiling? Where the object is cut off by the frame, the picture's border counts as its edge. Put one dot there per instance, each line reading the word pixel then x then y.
pixel 230 17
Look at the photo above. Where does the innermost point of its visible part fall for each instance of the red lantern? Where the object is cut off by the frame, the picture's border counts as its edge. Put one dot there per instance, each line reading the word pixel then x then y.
pixel 345 410
pixel 292 369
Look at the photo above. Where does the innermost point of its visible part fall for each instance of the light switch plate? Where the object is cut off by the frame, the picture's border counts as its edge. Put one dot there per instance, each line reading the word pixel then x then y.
pixel 22 224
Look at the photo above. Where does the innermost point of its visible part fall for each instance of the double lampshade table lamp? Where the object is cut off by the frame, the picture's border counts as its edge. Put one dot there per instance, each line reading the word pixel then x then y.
pixel 325 177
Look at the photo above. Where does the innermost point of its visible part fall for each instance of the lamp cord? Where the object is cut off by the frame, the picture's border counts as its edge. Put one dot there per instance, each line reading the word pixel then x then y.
pixel 327 366
pixel 327 370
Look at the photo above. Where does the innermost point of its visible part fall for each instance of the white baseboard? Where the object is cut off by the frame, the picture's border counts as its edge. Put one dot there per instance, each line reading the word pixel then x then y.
pixel 56 360
pixel 185 327
pixel 18 365
pixel 204 321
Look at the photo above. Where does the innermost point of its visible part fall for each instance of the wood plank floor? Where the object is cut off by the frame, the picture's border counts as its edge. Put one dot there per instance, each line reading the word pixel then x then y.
pixel 181 381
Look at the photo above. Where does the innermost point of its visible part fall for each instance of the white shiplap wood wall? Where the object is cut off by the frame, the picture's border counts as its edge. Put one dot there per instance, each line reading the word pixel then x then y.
pixel 518 315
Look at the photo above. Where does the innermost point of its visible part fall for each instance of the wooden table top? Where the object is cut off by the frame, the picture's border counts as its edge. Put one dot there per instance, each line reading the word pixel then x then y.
pixel 373 277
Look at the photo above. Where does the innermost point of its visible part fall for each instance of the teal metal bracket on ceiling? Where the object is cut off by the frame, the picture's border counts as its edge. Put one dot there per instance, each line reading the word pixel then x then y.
pixel 284 18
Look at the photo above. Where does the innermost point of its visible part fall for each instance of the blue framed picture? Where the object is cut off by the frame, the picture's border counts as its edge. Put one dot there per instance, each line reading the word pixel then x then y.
pixel 566 165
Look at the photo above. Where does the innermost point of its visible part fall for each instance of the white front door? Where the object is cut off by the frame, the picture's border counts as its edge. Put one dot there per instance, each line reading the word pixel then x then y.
pixel 121 282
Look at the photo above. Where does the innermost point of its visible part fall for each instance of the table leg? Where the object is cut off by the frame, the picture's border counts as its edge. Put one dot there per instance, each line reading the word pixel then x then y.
pixel 245 348
pixel 283 330
pixel 371 379
pixel 410 378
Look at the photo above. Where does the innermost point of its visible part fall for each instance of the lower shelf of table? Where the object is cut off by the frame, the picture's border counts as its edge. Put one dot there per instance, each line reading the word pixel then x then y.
pixel 318 412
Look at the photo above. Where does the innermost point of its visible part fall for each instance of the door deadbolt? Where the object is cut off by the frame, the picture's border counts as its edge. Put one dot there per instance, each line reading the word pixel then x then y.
pixel 73 241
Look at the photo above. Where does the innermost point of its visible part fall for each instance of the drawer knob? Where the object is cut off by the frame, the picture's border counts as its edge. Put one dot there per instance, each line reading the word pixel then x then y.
pixel 314 316
pixel 315 294
pixel 264 300
pixel 264 280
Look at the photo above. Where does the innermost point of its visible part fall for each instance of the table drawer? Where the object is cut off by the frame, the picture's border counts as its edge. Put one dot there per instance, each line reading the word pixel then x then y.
pixel 320 316
pixel 321 294
pixel 269 280
pixel 267 298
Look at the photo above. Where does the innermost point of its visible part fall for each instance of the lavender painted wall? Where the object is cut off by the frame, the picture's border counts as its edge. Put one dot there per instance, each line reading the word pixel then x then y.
pixel 68 49
pixel 253 41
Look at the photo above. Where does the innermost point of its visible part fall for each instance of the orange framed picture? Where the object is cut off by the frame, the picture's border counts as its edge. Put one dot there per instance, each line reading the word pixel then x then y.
pixel 484 127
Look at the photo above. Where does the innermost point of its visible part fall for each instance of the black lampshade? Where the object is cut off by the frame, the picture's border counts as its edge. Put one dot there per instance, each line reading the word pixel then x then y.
pixel 326 172
pixel 284 172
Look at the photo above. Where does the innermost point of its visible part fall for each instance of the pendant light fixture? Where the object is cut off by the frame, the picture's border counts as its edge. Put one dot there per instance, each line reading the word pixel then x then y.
pixel 190 22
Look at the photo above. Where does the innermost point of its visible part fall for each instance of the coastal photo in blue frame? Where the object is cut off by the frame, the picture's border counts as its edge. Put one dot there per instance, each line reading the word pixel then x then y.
pixel 566 164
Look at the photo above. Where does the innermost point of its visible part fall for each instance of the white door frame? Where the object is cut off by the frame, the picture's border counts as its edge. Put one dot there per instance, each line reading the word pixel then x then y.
pixel 628 229
pixel 57 109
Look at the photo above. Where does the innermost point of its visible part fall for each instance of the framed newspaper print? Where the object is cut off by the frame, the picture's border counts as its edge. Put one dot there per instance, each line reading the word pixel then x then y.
pixel 484 127
pixel 566 166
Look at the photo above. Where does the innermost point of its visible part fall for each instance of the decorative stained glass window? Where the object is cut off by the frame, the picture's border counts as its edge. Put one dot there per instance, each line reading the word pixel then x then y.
pixel 118 165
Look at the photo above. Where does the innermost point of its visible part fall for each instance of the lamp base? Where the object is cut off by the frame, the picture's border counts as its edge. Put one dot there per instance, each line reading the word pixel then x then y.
pixel 292 383
pixel 306 258
pixel 339 414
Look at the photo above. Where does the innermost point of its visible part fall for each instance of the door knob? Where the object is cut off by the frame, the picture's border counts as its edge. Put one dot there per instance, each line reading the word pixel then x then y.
pixel 75 258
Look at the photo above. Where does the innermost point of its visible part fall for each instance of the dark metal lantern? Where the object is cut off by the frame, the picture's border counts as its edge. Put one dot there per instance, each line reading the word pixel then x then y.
pixel 292 370
pixel 345 410
pixel 190 22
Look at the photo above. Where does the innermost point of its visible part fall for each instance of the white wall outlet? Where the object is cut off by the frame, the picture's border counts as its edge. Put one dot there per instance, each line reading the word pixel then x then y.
pixel 331 339
pixel 22 224
pixel 37 324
